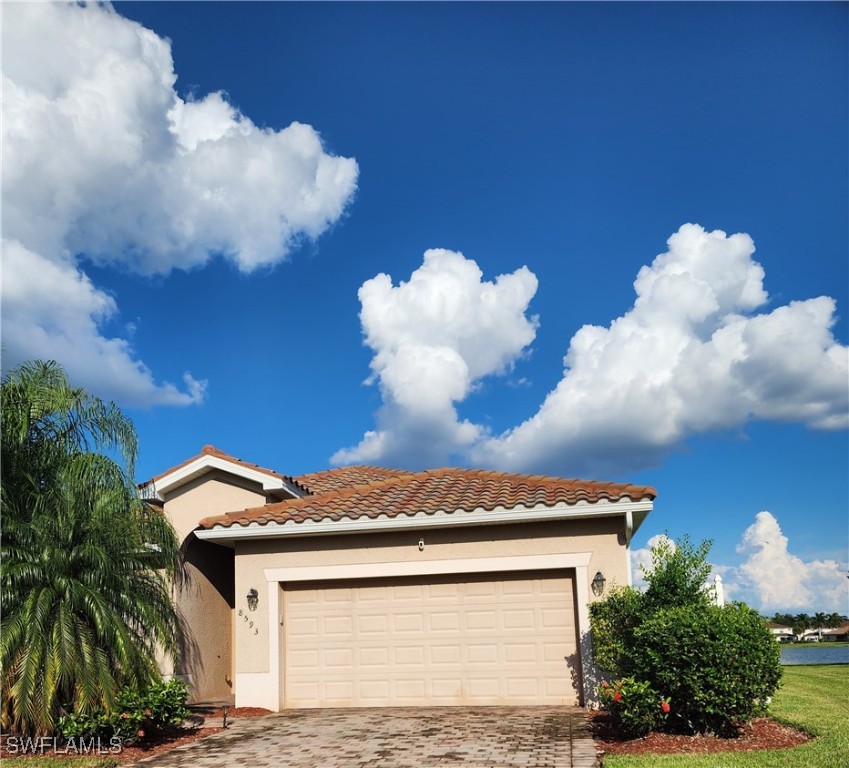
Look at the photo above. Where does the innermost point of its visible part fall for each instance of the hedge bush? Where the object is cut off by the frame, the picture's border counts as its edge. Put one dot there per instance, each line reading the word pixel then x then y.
pixel 136 715
pixel 719 666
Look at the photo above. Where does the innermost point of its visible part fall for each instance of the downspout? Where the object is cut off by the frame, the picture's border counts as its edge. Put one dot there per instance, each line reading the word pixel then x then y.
pixel 629 532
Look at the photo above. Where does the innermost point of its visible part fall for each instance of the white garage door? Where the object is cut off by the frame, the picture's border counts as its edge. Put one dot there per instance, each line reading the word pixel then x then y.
pixel 437 641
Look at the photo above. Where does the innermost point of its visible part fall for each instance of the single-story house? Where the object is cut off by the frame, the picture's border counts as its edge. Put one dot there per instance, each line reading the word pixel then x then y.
pixel 837 634
pixel 363 586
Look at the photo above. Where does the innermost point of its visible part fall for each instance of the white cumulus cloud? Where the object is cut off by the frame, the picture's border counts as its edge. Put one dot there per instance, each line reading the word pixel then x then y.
pixel 103 160
pixel 697 352
pixel 434 337
pixel 779 580
pixel 51 311
pixel 691 355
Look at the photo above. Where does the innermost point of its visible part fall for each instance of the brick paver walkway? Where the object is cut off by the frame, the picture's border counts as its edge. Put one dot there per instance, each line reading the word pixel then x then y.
pixel 467 737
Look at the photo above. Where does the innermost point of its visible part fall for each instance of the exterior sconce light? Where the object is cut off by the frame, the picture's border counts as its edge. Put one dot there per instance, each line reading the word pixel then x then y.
pixel 598 584
pixel 253 599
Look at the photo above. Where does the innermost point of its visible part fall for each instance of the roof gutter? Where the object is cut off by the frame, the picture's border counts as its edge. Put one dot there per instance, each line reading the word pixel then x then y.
pixel 632 510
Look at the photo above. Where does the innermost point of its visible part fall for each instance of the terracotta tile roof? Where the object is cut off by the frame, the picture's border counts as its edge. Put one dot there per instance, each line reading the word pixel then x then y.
pixel 440 490
pixel 345 477
pixel 841 630
pixel 211 450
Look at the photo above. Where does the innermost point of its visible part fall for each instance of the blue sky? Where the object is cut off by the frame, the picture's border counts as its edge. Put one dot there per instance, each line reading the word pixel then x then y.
pixel 156 227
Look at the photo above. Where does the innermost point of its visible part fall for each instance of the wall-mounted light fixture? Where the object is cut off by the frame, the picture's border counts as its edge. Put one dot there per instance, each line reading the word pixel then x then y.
pixel 253 599
pixel 598 584
pixel 421 545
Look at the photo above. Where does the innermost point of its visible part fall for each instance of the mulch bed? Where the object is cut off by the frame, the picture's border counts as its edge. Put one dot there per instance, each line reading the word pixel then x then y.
pixel 212 719
pixel 760 733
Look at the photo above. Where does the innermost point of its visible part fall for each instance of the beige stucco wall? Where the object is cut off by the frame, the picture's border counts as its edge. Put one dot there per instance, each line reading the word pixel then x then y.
pixel 211 494
pixel 604 538
pixel 204 599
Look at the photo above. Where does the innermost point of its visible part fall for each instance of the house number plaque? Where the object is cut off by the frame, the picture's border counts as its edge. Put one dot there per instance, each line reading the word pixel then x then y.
pixel 249 622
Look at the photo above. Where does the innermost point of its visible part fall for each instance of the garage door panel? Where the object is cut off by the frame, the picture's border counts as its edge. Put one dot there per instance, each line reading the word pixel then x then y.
pixel 476 590
pixel 373 625
pixel 373 657
pixel 408 623
pixel 555 618
pixel 413 656
pixel 375 594
pixel 305 629
pixel 410 691
pixel 441 655
pixel 408 593
pixel 553 653
pixel 436 592
pixel 444 621
pixel 341 627
pixel 450 641
pixel 518 588
pixel 482 654
pixel 481 620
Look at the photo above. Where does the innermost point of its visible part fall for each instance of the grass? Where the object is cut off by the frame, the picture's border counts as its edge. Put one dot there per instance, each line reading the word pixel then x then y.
pixel 813 698
pixel 823 644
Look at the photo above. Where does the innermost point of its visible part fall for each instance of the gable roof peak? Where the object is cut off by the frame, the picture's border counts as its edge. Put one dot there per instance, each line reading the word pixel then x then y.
pixel 211 458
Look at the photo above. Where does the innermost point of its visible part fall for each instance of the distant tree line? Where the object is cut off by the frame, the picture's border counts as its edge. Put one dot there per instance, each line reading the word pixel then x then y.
pixel 802 621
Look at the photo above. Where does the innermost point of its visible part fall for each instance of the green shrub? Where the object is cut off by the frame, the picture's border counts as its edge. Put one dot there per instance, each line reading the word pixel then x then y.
pixel 613 621
pixel 635 706
pixel 136 715
pixel 677 575
pixel 719 666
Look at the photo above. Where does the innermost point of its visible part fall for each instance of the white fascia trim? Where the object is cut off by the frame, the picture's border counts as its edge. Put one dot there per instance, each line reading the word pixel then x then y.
pixel 366 524
pixel 205 463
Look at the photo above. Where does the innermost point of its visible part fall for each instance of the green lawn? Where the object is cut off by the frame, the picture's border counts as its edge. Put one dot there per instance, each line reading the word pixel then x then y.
pixel 824 644
pixel 813 698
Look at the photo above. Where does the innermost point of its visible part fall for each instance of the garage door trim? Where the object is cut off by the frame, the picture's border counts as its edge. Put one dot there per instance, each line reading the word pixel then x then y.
pixel 579 561
pixel 428 567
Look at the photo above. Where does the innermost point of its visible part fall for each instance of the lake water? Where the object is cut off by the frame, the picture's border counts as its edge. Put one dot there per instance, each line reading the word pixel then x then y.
pixel 815 653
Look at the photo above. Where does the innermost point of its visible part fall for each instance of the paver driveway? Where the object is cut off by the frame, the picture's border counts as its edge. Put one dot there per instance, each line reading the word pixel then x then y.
pixel 477 737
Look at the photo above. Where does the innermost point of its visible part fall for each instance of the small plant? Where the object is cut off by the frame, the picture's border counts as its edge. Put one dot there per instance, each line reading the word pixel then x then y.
pixel 135 716
pixel 635 706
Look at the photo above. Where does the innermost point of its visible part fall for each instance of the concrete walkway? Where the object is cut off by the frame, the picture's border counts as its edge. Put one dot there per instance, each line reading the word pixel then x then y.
pixel 471 737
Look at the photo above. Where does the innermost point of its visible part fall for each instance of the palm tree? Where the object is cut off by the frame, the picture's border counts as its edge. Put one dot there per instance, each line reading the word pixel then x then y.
pixel 85 585
pixel 834 620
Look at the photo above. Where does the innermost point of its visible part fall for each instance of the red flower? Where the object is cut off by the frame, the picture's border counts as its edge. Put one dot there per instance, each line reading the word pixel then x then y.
pixel 141 733
pixel 124 715
pixel 617 696
pixel 664 706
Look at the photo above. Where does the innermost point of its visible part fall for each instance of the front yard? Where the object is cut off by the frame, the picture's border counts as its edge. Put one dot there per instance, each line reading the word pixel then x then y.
pixel 812 698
